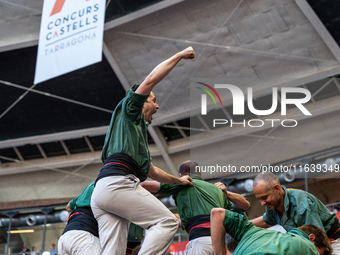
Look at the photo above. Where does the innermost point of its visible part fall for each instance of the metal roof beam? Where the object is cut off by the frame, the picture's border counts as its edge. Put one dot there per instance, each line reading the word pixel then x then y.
pixel 162 146
pixel 53 137
pixel 18 154
pixel 179 129
pixel 42 152
pixel 140 13
pixel 87 140
pixel 319 27
pixel 115 67
pixel 65 148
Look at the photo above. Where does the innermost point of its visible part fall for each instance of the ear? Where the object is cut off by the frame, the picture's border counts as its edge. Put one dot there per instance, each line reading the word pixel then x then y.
pixel 181 175
pixel 312 237
pixel 277 188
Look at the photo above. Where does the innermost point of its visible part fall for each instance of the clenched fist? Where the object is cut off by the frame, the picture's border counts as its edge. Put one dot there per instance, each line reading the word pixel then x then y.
pixel 188 53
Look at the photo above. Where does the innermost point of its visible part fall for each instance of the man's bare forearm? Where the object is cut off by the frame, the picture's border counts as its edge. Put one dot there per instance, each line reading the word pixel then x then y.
pixel 259 222
pixel 163 177
pixel 162 70
pixel 238 200
pixel 159 175
pixel 151 186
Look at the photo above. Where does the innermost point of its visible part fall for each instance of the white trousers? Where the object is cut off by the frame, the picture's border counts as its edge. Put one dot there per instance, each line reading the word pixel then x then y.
pixel 119 200
pixel 200 246
pixel 336 247
pixel 78 242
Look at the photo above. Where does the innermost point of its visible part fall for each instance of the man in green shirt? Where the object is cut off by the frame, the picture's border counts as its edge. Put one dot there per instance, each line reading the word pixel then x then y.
pixel 307 240
pixel 195 203
pixel 80 236
pixel 118 199
pixel 293 208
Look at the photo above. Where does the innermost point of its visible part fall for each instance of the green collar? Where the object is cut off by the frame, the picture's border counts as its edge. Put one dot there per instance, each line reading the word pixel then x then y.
pixel 298 232
pixel 286 199
pixel 196 177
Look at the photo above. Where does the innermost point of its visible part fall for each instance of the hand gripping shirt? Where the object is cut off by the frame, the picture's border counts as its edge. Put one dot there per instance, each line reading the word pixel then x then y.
pixel 127 132
pixel 301 208
pixel 195 200
pixel 254 240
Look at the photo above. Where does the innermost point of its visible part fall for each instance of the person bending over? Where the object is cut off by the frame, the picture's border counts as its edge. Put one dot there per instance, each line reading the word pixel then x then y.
pixel 293 208
pixel 195 203
pixel 306 240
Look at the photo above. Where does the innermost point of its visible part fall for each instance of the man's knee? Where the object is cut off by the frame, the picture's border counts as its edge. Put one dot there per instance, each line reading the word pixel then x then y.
pixel 171 223
pixel 174 222
pixel 168 223
pixel 168 219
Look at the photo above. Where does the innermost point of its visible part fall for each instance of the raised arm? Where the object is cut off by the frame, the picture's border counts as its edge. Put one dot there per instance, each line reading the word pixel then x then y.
pixel 159 175
pixel 225 221
pixel 237 199
pixel 162 70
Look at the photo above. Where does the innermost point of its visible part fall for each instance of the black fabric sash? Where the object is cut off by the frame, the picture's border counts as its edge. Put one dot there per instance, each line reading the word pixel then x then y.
pixel 119 164
pixel 198 226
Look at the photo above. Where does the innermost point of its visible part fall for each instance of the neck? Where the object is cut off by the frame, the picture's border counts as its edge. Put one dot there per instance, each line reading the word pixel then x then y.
pixel 281 207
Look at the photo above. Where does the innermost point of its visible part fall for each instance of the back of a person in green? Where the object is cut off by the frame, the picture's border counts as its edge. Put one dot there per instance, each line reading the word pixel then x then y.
pixel 194 204
pixel 195 200
pixel 306 240
pixel 84 224
pixel 80 236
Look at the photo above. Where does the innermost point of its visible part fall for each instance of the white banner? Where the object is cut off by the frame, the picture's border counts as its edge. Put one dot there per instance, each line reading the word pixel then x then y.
pixel 71 36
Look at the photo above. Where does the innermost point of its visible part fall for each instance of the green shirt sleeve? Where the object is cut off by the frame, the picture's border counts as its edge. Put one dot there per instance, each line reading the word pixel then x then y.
pixel 309 212
pixel 234 208
pixel 73 203
pixel 133 104
pixel 169 189
pixel 269 218
pixel 236 225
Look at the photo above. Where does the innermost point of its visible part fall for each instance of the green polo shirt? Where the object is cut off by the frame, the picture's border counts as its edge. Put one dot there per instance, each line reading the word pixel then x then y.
pixel 195 200
pixel 301 208
pixel 84 199
pixel 136 233
pixel 127 132
pixel 255 240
